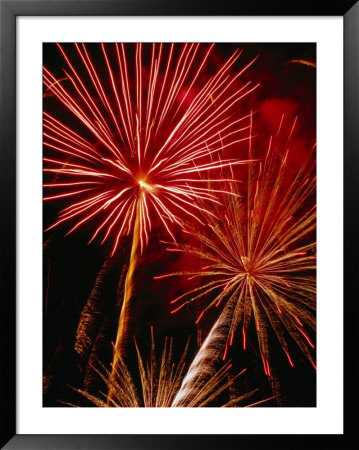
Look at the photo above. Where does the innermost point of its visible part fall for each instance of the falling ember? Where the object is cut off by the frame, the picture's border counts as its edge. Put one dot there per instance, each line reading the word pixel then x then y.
pixel 297 320
pixel 266 366
pixel 304 61
pixel 224 357
pixel 244 338
pixel 198 319
pixel 306 337
pixel 289 358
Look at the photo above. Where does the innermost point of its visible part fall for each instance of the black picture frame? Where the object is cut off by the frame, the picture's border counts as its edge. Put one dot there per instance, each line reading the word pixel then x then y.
pixel 9 10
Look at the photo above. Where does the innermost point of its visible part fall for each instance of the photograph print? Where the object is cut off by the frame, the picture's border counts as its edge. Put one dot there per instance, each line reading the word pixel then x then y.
pixel 179 225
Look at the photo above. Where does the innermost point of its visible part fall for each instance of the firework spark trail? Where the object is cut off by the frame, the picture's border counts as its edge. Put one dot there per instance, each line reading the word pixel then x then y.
pixel 162 381
pixel 90 317
pixel 123 325
pixel 135 150
pixel 260 259
pixel 202 370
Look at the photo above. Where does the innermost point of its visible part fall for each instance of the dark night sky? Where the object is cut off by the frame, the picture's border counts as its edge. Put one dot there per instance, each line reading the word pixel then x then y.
pixel 71 267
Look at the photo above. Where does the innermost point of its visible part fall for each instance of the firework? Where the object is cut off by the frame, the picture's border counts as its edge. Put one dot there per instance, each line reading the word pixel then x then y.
pixel 166 384
pixel 138 138
pixel 142 125
pixel 259 260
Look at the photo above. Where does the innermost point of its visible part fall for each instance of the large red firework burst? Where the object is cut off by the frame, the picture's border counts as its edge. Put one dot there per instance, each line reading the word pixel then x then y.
pixel 140 124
